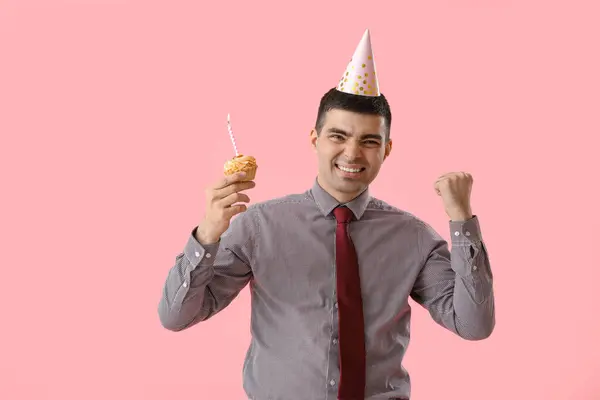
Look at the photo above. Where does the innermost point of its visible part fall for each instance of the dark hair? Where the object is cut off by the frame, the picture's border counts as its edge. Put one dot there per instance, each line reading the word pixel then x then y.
pixel 334 99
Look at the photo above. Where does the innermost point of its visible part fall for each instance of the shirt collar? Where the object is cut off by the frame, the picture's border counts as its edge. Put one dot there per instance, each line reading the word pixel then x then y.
pixel 327 203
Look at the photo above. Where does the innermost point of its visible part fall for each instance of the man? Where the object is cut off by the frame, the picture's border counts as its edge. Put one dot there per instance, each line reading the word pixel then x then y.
pixel 331 269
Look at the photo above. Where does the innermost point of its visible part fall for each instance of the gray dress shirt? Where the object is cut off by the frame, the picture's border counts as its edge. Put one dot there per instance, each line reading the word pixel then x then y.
pixel 285 250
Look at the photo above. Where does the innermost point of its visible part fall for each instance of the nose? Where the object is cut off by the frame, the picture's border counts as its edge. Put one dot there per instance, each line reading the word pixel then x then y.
pixel 352 150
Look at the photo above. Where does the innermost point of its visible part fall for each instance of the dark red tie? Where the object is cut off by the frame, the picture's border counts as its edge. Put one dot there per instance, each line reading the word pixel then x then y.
pixel 351 323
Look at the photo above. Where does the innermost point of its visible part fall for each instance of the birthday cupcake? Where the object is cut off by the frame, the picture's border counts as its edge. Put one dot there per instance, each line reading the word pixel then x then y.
pixel 242 163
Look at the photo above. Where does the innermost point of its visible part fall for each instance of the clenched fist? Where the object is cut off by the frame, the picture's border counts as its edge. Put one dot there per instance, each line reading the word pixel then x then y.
pixel 455 190
pixel 221 205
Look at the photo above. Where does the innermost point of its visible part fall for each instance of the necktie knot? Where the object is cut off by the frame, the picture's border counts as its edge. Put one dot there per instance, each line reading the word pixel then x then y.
pixel 343 214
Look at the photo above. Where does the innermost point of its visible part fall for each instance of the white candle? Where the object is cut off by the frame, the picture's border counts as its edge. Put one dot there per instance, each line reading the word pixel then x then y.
pixel 231 135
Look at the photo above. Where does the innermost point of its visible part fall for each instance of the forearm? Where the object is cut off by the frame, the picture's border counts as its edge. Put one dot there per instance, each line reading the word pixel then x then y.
pixel 473 297
pixel 204 280
pixel 183 302
pixel 456 286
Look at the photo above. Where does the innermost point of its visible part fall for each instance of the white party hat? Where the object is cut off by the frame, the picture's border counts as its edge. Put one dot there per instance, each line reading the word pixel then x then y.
pixel 360 76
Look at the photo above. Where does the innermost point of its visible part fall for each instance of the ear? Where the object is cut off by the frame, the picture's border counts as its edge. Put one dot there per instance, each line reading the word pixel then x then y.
pixel 313 138
pixel 388 149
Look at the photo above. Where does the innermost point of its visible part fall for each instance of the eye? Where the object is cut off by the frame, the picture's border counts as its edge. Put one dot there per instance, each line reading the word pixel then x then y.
pixel 372 142
pixel 336 137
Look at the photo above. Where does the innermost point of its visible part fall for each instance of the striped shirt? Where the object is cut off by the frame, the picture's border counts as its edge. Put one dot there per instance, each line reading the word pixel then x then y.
pixel 284 249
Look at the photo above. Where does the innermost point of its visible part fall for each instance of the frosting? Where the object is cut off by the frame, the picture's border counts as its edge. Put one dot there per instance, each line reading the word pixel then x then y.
pixel 240 163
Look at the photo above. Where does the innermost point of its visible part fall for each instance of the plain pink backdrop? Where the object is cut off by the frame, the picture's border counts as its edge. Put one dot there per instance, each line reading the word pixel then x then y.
pixel 112 123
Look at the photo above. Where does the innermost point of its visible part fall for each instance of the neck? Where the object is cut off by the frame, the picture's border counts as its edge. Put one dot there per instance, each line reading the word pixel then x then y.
pixel 341 197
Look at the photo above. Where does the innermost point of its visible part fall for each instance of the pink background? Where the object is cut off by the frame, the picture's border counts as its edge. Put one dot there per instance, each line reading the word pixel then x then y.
pixel 112 116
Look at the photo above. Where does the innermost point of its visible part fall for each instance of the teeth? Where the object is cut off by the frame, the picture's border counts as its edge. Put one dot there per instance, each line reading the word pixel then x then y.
pixel 348 169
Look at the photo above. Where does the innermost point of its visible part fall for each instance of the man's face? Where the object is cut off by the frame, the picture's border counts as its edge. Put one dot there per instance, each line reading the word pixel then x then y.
pixel 350 150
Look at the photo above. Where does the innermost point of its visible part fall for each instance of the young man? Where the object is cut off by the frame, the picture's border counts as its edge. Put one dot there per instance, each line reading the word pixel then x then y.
pixel 331 269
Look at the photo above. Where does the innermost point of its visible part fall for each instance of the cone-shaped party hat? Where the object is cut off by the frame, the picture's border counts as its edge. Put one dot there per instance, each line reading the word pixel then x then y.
pixel 360 76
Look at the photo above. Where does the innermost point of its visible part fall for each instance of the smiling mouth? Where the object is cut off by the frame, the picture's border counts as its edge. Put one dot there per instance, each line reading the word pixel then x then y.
pixel 350 170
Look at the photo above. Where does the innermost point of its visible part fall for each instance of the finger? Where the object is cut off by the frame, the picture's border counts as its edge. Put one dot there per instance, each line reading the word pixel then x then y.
pixel 234 210
pixel 444 177
pixel 234 198
pixel 447 174
pixel 442 183
pixel 233 188
pixel 466 175
pixel 229 179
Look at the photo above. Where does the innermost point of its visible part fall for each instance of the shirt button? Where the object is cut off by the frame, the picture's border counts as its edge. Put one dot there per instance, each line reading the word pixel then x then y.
pixel 468 233
pixel 335 341
pixel 184 284
pixel 335 304
pixel 208 255
pixel 456 233
pixel 332 382
pixel 474 267
pixel 197 254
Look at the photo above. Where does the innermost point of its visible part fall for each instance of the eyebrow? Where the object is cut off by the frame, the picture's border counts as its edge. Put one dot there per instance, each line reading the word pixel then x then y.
pixel 364 136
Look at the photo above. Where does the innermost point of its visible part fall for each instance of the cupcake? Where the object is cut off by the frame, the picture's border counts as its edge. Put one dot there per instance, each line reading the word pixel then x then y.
pixel 242 163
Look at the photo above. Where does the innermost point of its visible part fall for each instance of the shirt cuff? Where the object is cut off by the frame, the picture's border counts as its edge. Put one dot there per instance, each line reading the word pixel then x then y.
pixel 199 254
pixel 465 232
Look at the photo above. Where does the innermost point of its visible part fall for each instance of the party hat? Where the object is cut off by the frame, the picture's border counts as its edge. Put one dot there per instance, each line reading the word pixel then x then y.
pixel 360 76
